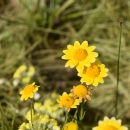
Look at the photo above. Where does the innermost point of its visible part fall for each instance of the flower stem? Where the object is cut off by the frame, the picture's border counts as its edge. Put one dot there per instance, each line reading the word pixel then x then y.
pixel 118 65
pixel 75 116
pixel 82 113
pixel 32 110
pixel 66 118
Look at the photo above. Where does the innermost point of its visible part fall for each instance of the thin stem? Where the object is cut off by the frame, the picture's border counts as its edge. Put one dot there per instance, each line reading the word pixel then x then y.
pixel 118 75
pixel 12 123
pixel 38 4
pixel 66 119
pixel 81 111
pixel 75 115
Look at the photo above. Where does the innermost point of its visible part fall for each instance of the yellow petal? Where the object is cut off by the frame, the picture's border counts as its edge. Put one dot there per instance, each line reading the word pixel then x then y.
pixel 67 57
pixel 79 67
pixel 36 88
pixel 89 80
pixel 95 82
pixel 91 48
pixel 21 92
pixel 71 63
pixel 31 95
pixel 100 79
pixel 84 44
pixel 70 47
pixel 76 44
pixel 94 54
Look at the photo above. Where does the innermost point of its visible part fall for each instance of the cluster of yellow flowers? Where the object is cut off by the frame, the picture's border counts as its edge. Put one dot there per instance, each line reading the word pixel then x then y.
pixel 92 73
pixel 88 68
pixel 23 74
pixel 50 107
pixel 39 122
pixel 83 58
pixel 44 119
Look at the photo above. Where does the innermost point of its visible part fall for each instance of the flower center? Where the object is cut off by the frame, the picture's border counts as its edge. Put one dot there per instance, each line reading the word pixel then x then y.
pixel 80 91
pixel 110 128
pixel 80 54
pixel 93 71
pixel 67 101
pixel 28 89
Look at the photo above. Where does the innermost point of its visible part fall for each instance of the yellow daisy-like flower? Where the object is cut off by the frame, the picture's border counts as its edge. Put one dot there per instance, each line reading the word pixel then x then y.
pixel 18 72
pixel 23 126
pixel 81 92
pixel 79 55
pixel 28 91
pixel 70 126
pixel 68 101
pixel 110 124
pixel 93 74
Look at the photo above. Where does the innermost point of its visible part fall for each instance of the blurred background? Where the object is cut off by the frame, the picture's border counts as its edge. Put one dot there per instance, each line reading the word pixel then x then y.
pixel 33 34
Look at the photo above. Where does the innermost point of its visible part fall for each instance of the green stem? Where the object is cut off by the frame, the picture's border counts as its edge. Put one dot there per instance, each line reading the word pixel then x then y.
pixel 38 5
pixel 82 113
pixel 32 110
pixel 66 118
pixel 118 75
pixel 75 116
pixel 12 123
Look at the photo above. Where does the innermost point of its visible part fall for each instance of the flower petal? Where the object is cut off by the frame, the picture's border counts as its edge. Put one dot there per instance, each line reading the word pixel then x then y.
pixel 76 44
pixel 91 48
pixel 84 44
pixel 71 63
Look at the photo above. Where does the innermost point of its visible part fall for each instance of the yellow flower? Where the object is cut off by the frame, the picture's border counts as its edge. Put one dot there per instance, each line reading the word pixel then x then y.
pixel 79 55
pixel 68 101
pixel 110 124
pixel 28 91
pixel 93 74
pixel 37 106
pixel 50 107
pixel 24 126
pixel 71 126
pixel 31 71
pixel 19 71
pixel 26 79
pixel 28 115
pixel 44 119
pixel 37 118
pixel 55 128
pixel 81 92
